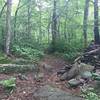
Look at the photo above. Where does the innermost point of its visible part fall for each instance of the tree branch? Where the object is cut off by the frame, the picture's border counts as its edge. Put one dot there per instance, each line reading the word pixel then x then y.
pixel 3 9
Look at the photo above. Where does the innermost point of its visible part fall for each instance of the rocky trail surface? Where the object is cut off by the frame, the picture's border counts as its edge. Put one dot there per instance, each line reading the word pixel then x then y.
pixel 42 85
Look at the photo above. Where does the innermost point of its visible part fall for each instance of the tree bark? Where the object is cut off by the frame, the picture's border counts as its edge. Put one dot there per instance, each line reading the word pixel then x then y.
pixel 54 25
pixel 40 19
pixel 96 26
pixel 16 12
pixel 8 27
pixel 86 10
pixel 29 19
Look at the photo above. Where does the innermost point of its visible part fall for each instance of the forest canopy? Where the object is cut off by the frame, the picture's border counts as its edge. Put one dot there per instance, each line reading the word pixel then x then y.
pixel 34 26
pixel 49 49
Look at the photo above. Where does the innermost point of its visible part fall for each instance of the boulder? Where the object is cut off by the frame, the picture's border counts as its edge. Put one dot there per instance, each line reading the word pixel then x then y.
pixel 85 67
pixel 74 82
pixel 48 92
pixel 64 76
pixel 77 69
pixel 86 75
pixel 72 73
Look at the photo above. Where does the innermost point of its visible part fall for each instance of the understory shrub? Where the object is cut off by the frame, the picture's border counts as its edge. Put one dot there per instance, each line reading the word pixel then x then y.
pixel 4 59
pixel 70 49
pixel 27 52
pixel 90 94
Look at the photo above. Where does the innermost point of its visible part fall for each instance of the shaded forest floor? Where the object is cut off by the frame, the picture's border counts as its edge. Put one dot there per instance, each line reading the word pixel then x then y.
pixel 24 90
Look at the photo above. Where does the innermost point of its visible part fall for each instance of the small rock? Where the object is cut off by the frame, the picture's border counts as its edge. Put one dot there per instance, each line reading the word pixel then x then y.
pixel 65 69
pixel 24 92
pixel 22 77
pixel 46 67
pixel 68 67
pixel 39 76
pixel 62 71
pixel 64 76
pixel 74 82
pixel 86 75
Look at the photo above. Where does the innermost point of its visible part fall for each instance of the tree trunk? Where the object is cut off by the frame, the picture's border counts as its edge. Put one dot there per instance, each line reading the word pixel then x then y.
pixel 3 9
pixel 65 26
pixel 96 26
pixel 40 19
pixel 29 19
pixel 86 10
pixel 8 27
pixel 54 26
pixel 15 19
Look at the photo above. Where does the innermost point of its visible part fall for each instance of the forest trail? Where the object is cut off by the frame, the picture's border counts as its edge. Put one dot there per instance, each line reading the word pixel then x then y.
pixel 45 80
pixel 56 63
pixel 49 66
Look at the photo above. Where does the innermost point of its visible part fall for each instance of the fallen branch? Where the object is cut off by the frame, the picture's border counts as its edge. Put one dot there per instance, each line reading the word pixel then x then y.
pixel 87 53
pixel 14 68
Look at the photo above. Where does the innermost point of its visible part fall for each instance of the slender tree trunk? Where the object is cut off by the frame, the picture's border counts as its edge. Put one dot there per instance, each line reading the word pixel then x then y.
pixel 40 19
pixel 16 12
pixel 58 28
pixel 54 26
pixel 86 10
pixel 3 9
pixel 8 27
pixel 96 26
pixel 65 22
pixel 29 19
pixel 48 27
pixel 65 26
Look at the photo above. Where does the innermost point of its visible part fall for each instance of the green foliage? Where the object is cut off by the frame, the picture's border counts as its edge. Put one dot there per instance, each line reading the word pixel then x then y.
pixel 31 44
pixel 70 49
pixel 96 76
pixel 10 83
pixel 27 52
pixel 4 59
pixel 90 94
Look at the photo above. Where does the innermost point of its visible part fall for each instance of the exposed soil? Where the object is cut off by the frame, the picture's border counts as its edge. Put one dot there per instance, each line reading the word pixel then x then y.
pixel 25 88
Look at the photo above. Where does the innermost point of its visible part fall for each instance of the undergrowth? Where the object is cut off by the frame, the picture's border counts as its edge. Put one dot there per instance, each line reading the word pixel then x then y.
pixel 4 59
pixel 69 50
pixel 27 52
pixel 90 94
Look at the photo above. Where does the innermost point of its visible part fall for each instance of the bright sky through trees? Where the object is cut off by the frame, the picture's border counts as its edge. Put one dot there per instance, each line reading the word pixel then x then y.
pixel 14 5
pixel 15 2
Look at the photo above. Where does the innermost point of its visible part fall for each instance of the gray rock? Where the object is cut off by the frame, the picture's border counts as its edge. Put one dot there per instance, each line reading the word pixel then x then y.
pixel 64 76
pixel 49 93
pixel 86 75
pixel 22 77
pixel 74 82
pixel 85 67
pixel 39 76
pixel 62 71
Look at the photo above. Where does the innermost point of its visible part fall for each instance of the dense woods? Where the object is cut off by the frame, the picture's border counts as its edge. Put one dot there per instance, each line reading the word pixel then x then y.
pixel 44 37
pixel 62 26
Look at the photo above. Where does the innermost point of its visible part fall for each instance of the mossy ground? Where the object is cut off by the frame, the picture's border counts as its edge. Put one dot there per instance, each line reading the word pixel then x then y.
pixel 4 59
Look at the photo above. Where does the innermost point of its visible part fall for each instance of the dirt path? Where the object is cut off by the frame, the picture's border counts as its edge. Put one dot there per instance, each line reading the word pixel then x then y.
pixel 25 88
